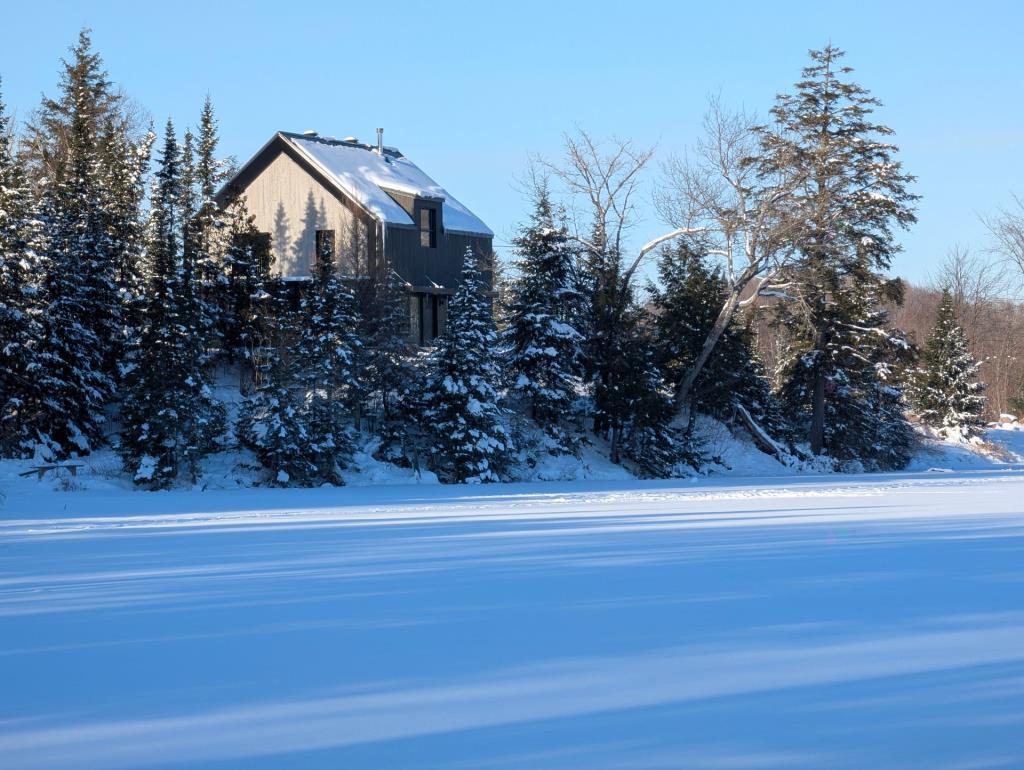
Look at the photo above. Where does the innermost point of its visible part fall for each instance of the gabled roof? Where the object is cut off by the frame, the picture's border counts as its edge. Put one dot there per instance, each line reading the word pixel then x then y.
pixel 360 172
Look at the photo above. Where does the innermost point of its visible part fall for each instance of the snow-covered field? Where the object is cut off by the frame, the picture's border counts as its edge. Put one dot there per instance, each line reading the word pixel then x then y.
pixel 823 622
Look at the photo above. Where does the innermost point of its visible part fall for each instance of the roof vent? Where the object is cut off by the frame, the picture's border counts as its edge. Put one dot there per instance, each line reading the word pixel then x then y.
pixel 351 139
pixel 310 133
pixel 380 141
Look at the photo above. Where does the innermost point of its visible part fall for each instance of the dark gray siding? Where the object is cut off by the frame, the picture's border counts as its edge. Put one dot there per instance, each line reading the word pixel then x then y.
pixel 425 267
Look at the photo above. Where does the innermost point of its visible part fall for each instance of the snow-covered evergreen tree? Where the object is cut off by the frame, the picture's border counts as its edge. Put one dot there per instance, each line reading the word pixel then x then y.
pixel 865 424
pixel 270 422
pixel 542 346
pixel 194 308
pixel 170 417
pixel 208 235
pixel 324 357
pixel 125 164
pixel 947 393
pixel 83 312
pixel 644 404
pixel 852 192
pixel 686 304
pixel 388 377
pixel 20 304
pixel 461 410
pixel 246 263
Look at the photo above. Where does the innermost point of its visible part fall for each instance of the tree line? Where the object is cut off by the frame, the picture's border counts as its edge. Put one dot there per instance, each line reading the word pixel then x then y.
pixel 126 289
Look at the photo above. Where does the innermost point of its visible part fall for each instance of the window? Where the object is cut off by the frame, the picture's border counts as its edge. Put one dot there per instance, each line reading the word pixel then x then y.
pixel 428 228
pixel 261 251
pixel 441 316
pixel 415 327
pixel 324 245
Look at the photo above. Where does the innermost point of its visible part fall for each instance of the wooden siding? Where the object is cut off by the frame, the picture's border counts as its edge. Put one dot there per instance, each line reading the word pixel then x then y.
pixel 291 199
pixel 291 204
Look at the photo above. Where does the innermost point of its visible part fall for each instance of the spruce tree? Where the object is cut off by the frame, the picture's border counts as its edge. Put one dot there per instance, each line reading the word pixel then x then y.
pixel 246 265
pixel 470 442
pixel 87 97
pixel 542 346
pixel 686 304
pixel 643 403
pixel 948 394
pixel 607 336
pixel 270 422
pixel 125 166
pixel 865 426
pixel 82 313
pixel 388 375
pixel 324 361
pixel 852 193
pixel 208 240
pixel 20 308
pixel 171 419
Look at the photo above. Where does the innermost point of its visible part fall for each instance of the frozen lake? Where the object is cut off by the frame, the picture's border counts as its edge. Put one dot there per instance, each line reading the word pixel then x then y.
pixel 830 622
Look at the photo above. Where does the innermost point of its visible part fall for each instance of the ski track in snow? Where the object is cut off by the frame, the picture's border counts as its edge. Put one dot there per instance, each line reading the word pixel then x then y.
pixel 840 622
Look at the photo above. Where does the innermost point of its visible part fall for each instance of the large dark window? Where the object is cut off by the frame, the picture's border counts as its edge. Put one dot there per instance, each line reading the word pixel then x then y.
pixel 261 251
pixel 415 319
pixel 324 245
pixel 428 228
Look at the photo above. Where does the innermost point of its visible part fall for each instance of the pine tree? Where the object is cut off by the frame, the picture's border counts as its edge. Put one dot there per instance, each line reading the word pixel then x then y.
pixel 171 419
pixel 852 193
pixel 324 363
pixel 87 98
pixel 82 313
pixel 607 336
pixel 207 241
pixel 948 394
pixel 543 347
pixel 270 422
pixel 460 402
pixel 643 403
pixel 125 165
pixel 686 304
pixel 246 265
pixel 865 426
pixel 387 373
pixel 20 322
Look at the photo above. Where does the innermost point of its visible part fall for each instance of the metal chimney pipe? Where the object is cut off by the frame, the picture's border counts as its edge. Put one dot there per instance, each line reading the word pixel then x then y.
pixel 380 141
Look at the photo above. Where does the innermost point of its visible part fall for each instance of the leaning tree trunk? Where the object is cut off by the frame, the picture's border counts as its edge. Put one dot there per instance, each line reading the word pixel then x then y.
pixel 682 397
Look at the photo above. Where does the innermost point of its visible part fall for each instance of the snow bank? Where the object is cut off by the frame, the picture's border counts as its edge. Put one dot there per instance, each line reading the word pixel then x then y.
pixel 735 456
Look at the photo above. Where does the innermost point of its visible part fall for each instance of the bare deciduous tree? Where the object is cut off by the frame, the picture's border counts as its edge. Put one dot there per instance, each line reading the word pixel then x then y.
pixel 993 322
pixel 601 182
pixel 973 282
pixel 1007 228
pixel 742 218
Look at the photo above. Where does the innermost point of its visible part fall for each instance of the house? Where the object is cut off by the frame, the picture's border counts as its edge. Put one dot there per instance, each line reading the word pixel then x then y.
pixel 371 206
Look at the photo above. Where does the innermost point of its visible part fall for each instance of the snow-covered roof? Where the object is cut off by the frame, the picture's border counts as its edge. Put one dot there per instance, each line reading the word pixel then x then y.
pixel 366 175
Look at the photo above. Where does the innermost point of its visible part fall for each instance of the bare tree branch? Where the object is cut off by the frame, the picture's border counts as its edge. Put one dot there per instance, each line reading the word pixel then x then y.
pixel 744 218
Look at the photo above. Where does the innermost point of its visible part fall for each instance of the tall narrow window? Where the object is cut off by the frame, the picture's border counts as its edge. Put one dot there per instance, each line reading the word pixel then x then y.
pixel 261 252
pixel 415 325
pixel 324 245
pixel 428 228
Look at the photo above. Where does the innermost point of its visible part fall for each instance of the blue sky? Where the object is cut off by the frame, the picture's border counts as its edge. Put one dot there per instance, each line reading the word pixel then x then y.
pixel 470 90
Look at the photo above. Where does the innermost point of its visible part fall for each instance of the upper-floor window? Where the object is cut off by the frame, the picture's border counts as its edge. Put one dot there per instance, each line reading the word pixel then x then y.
pixel 428 228
pixel 324 245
